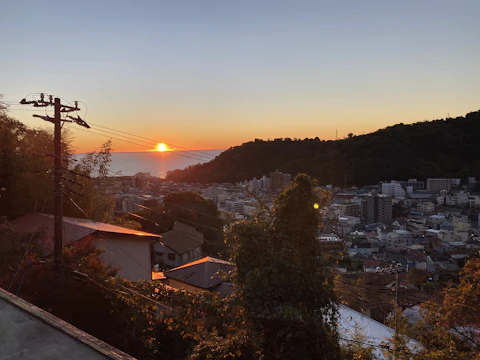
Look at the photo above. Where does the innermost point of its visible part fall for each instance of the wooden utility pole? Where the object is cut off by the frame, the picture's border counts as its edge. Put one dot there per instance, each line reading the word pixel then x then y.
pixel 57 173
pixel 397 284
pixel 57 189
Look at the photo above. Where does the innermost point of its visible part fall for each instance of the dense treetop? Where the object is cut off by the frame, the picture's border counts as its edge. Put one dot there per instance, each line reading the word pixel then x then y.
pixel 439 148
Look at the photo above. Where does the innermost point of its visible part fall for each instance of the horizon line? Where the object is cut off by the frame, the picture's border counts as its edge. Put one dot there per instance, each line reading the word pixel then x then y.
pixel 151 151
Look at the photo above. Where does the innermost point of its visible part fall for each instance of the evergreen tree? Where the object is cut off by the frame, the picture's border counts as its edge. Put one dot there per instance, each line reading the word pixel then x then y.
pixel 283 281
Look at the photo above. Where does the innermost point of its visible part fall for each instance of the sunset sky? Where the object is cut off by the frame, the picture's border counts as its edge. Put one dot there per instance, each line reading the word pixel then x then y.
pixel 213 74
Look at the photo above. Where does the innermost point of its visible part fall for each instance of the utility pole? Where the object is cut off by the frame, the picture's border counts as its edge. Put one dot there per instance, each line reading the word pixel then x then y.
pixel 397 284
pixel 57 189
pixel 57 173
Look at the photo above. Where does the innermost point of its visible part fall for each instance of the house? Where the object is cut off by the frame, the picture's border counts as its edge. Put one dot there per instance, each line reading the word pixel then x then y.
pixel 371 265
pixel 28 332
pixel 329 242
pixel 178 246
pixel 363 248
pixel 199 275
pixel 126 249
pixel 349 320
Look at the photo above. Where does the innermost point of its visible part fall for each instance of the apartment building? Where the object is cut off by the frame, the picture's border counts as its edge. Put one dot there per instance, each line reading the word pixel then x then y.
pixel 376 208
pixel 437 184
pixel 279 180
pixel 393 189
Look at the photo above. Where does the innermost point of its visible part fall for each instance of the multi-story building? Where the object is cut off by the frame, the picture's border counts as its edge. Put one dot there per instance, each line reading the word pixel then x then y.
pixel 351 209
pixel 376 208
pixel 413 185
pixel 436 220
pixel 133 202
pixel 330 242
pixel 460 199
pixel 396 241
pixel 437 184
pixel 212 193
pixel 426 207
pixel 393 189
pixel 461 224
pixel 472 183
pixel 346 209
pixel 279 180
pixel 235 206
pixel 346 225
pixel 474 201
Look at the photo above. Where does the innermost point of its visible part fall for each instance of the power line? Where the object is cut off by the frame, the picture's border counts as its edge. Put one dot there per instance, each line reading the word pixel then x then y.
pixel 197 153
pixel 59 109
pixel 117 294
pixel 178 218
pixel 145 146
pixel 207 227
pixel 154 144
pixel 26 252
pixel 150 145
pixel 141 137
pixel 94 222
pixel 191 210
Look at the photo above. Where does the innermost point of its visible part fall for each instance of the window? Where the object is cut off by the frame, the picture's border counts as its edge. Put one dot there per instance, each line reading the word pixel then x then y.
pixel 171 256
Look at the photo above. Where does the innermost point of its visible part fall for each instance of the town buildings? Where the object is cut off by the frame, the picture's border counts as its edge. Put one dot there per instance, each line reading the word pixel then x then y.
pixel 280 180
pixel 393 189
pixel 178 246
pixel 376 208
pixel 126 249
pixel 435 185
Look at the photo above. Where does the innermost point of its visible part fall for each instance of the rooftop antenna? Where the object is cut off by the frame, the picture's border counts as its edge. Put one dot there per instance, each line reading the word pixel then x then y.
pixel 336 134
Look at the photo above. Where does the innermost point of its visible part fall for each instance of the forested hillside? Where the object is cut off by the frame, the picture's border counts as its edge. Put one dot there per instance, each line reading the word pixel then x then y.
pixel 439 148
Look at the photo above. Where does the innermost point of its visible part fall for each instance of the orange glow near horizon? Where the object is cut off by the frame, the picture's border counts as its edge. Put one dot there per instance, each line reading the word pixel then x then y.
pixel 161 147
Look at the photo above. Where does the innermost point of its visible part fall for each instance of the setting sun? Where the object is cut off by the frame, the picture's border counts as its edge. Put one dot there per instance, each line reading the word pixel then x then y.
pixel 162 147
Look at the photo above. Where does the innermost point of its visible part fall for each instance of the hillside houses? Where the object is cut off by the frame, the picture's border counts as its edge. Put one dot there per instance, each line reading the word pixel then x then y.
pixel 123 248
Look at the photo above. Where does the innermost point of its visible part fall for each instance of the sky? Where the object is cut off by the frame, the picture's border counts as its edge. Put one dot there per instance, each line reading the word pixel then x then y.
pixel 214 74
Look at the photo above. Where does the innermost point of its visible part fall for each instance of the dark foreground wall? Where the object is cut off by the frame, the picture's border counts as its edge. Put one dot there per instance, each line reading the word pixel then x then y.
pixel 27 332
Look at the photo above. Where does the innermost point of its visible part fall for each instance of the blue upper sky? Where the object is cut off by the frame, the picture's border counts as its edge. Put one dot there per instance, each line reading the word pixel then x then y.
pixel 211 74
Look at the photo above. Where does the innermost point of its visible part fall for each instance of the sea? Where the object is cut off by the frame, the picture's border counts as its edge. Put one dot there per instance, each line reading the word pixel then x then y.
pixel 156 163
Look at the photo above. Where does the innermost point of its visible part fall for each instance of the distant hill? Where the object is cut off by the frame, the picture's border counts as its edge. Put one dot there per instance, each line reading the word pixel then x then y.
pixel 439 148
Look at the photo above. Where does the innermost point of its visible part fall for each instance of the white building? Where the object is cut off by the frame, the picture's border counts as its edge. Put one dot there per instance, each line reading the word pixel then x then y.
pixel 212 193
pixel 474 201
pixel 393 189
pixel 436 219
pixel 460 199
pixel 455 182
pixel 346 224
pixel 443 235
pixel 363 248
pixel 461 224
pixel 435 185
pixel 178 246
pixel 396 241
pixel 375 333
pixel 126 249
pixel 426 207
pixel 235 206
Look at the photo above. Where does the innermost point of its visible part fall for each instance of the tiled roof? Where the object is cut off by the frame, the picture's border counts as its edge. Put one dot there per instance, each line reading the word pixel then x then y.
pixel 182 238
pixel 74 228
pixel 201 273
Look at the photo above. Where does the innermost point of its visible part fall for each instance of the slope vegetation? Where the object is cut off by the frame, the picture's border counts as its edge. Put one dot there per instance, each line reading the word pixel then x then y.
pixel 439 148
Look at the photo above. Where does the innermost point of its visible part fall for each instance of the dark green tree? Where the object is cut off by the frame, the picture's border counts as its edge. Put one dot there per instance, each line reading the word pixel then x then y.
pixel 283 281
pixel 91 193
pixel 192 209
pixel 439 148
pixel 25 184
